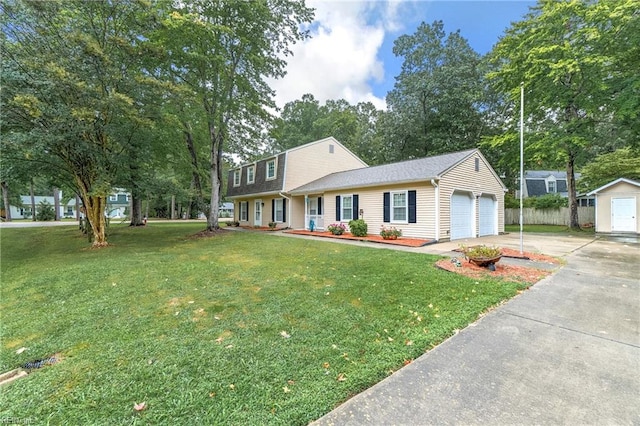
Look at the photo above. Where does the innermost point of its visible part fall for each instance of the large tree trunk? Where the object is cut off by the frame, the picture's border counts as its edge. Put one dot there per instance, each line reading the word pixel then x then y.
pixel 95 206
pixel 5 199
pixel 136 210
pixel 571 189
pixel 33 201
pixel 56 203
pixel 216 177
pixel 195 173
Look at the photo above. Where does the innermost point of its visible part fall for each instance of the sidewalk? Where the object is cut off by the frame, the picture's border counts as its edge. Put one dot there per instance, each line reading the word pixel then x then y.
pixel 565 352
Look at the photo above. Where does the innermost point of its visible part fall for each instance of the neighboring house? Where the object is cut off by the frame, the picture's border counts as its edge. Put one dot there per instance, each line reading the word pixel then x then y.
pixel 118 204
pixel 543 182
pixel 617 207
pixel 226 210
pixel 446 197
pixel 24 212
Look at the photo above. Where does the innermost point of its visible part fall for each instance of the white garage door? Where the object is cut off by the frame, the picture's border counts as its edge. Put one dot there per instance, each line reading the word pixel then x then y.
pixel 487 213
pixel 461 215
pixel 623 214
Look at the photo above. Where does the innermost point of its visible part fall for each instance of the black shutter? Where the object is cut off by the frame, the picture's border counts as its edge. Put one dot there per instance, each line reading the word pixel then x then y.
pixel 284 209
pixel 412 206
pixel 356 210
pixel 386 203
pixel 319 206
pixel 338 208
pixel 273 210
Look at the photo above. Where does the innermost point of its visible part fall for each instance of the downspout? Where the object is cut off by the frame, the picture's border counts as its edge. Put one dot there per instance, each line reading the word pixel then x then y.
pixel 288 209
pixel 437 189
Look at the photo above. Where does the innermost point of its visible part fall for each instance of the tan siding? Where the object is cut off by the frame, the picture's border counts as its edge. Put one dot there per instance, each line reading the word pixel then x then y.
pixel 314 161
pixel 371 203
pixel 603 204
pixel 463 177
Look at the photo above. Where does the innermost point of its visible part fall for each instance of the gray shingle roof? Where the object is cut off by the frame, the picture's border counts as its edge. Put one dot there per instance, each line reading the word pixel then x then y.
pixel 406 171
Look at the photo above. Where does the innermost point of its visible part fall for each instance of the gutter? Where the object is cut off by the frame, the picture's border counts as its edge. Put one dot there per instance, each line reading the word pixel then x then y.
pixel 437 188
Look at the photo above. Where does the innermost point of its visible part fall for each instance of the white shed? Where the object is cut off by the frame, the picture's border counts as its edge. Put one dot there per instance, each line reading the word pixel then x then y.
pixel 617 207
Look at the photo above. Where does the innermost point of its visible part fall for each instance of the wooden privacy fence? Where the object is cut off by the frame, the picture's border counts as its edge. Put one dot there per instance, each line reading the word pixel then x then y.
pixel 559 216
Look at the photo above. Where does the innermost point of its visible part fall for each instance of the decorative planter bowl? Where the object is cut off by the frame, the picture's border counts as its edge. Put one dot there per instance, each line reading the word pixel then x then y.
pixel 484 261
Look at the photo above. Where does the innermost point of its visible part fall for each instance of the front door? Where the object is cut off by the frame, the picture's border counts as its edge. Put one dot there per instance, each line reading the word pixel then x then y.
pixel 257 219
pixel 623 214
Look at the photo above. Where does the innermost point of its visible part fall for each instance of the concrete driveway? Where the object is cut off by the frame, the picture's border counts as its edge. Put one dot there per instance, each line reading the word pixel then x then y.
pixel 567 351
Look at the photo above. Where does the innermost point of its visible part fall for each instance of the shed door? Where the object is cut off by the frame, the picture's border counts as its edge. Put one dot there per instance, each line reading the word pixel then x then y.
pixel 461 215
pixel 623 214
pixel 487 213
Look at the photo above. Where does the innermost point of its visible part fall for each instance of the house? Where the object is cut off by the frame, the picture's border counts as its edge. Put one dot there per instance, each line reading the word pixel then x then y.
pixel 445 197
pixel 617 207
pixel 24 211
pixel 260 190
pixel 118 204
pixel 543 182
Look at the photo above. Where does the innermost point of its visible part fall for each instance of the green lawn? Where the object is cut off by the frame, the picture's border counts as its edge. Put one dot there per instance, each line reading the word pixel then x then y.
pixel 549 229
pixel 243 328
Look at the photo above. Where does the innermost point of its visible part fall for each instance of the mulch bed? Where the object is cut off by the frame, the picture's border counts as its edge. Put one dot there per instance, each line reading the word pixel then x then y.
pixel 402 241
pixel 513 273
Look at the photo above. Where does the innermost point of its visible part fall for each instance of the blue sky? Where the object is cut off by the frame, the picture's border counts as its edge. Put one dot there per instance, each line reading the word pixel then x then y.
pixel 350 54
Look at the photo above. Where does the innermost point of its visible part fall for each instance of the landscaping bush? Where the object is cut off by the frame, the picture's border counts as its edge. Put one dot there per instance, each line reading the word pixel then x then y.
pixel 45 212
pixel 337 228
pixel 358 228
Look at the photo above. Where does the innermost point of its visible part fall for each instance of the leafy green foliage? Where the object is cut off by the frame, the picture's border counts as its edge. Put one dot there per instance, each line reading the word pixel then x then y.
pixel 358 227
pixel 253 329
pixel 45 211
pixel 354 126
pixel 572 58
pixel 624 162
pixel 434 105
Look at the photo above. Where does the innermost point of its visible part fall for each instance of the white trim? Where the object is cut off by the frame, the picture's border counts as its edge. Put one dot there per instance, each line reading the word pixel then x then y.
pixel 275 168
pixel 289 207
pixel 342 218
pixel 237 173
pixel 437 193
pixel 253 169
pixel 275 209
pixel 615 182
pixel 392 207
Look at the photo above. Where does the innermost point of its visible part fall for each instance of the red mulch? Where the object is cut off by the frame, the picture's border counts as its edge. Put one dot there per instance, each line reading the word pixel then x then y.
pixel 402 241
pixel 506 272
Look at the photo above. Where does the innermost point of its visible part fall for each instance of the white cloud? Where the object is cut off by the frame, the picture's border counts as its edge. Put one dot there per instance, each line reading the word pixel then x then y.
pixel 341 56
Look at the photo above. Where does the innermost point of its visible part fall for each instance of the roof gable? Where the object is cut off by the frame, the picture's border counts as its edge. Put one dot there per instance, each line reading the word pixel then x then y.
pixel 406 171
pixel 613 183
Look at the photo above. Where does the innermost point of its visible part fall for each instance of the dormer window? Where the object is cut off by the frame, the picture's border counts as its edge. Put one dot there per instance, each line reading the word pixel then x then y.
pixel 551 186
pixel 236 178
pixel 271 169
pixel 251 174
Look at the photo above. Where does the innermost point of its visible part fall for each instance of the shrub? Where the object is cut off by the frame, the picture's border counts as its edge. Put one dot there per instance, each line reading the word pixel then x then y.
pixel 272 226
pixel 337 228
pixel 45 211
pixel 390 233
pixel 358 227
pixel 481 252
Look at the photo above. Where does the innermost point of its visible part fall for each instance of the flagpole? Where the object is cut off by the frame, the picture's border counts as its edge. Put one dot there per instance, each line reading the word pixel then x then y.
pixel 521 161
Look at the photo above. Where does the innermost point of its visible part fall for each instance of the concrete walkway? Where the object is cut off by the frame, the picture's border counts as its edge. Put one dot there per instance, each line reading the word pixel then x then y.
pixel 565 352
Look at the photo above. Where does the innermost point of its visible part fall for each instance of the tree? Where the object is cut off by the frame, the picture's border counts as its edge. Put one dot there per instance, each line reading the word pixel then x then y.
pixel 623 162
pixel 223 51
pixel 305 120
pixel 570 79
pixel 70 91
pixel 434 105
